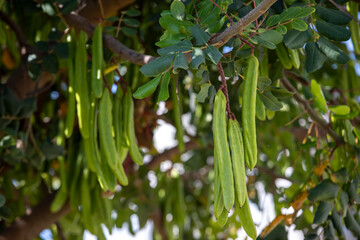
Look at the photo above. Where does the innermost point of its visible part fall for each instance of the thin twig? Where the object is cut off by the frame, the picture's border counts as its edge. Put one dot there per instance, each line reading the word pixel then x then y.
pixel 311 112
pixel 224 88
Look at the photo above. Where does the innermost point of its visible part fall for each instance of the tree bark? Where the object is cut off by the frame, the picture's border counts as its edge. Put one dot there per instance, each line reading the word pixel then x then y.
pixel 30 226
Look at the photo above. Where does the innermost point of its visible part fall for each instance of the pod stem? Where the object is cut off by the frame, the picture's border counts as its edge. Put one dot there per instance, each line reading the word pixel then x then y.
pixel 106 84
pixel 223 87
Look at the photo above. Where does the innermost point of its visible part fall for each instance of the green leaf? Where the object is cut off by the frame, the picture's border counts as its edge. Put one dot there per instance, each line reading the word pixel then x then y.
pixel 130 32
pixel 281 29
pixel 198 58
pixel 131 22
pixel 314 58
pixel 177 9
pixel 332 51
pixel 212 93
pixel 174 25
pixel 200 36
pixel 2 200
pixel 340 109
pixel 148 88
pixel 263 82
pixel 273 20
pixel 180 61
pixel 262 41
pixel 168 39
pixel 62 50
pixel 332 15
pixel 182 46
pixel 332 31
pixel 322 212
pixel 295 39
pixel 303 12
pixel 164 87
pixel 326 190
pixel 157 66
pixel 288 14
pixel 133 12
pixel 272 36
pixel 281 93
pixel 5 213
pixel 213 54
pixel 299 25
pixel 270 101
pixel 204 92
pixel 51 63
pixel 318 96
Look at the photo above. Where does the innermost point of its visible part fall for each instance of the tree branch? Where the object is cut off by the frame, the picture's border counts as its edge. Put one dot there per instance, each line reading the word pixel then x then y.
pixel 311 112
pixel 19 34
pixel 112 43
pixel 242 23
pixel 170 153
pixel 40 218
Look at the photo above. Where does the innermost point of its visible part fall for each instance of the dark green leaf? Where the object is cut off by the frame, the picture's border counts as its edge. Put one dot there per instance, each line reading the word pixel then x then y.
pixel 352 224
pixel 130 32
pixel 157 66
pixel 28 106
pixel 281 29
pixel 2 200
pixel 204 92
pixel 148 88
pixel 133 12
pixel 281 93
pixel 198 58
pixel 174 25
pixel 200 36
pixel 182 46
pixel 164 88
pixel 5 213
pixel 332 31
pixel 51 63
pixel 62 50
pixel 213 54
pixel 288 14
pixel 295 39
pixel 131 22
pixel 303 12
pixel 326 190
pixel 270 101
pixel 332 15
pixel 212 93
pixel 263 82
pixel 272 36
pixel 180 61
pixel 177 9
pixel 52 151
pixel 273 20
pixel 322 212
pixel 42 46
pixel 263 41
pixel 332 51
pixel 336 220
pixel 299 25
pixel 314 58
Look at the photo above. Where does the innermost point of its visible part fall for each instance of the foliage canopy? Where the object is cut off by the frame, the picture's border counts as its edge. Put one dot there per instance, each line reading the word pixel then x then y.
pixel 84 88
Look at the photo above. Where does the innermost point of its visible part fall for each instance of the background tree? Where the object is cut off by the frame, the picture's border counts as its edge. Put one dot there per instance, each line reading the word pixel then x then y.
pixel 78 111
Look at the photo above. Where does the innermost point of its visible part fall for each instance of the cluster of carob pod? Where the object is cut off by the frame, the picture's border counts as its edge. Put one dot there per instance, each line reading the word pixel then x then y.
pixel 106 120
pixel 232 149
